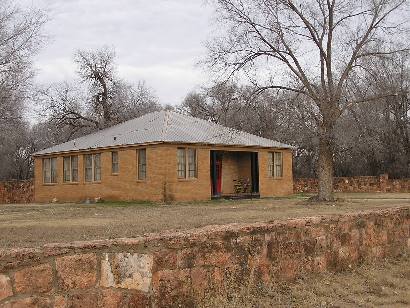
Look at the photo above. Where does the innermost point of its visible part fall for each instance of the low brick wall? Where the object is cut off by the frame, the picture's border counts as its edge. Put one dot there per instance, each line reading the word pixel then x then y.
pixel 355 184
pixel 183 268
pixel 16 192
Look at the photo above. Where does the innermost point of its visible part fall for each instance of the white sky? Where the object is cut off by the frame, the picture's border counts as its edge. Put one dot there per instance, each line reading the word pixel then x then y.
pixel 159 41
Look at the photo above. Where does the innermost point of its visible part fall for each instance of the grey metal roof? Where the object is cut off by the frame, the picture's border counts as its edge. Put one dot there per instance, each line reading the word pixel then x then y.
pixel 164 126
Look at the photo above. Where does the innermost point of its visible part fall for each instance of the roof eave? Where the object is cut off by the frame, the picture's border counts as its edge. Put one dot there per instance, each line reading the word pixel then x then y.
pixel 284 147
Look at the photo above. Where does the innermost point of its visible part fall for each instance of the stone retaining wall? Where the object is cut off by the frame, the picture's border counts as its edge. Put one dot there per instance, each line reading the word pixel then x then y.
pixel 16 192
pixel 183 268
pixel 380 183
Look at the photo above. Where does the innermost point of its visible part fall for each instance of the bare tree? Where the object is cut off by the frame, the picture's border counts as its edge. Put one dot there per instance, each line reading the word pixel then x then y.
pixel 20 38
pixel 97 69
pixel 309 47
pixel 99 100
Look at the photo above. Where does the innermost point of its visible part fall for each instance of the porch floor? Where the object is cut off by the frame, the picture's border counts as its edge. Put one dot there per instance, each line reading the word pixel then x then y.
pixel 237 196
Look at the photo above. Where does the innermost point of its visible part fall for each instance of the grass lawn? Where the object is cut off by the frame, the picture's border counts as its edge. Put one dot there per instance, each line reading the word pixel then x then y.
pixel 30 225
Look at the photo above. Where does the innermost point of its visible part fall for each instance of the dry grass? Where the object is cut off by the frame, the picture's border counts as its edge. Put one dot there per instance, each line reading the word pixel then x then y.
pixel 385 284
pixel 33 225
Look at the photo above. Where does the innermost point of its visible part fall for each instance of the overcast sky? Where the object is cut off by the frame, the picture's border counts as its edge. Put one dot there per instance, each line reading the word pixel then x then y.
pixel 159 41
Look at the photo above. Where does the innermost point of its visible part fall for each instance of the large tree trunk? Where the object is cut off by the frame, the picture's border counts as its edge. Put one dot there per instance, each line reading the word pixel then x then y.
pixel 325 171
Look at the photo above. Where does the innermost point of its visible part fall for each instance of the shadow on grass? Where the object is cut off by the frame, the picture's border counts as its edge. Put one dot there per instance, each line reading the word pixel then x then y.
pixel 213 202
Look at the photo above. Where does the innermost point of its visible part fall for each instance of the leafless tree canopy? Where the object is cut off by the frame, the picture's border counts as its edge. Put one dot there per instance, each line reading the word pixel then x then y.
pixel 99 99
pixel 312 48
pixel 20 38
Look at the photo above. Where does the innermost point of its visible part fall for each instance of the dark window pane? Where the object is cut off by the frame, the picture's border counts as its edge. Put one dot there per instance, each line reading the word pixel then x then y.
pixel 74 168
pixel 115 164
pixel 278 164
pixel 88 167
pixel 192 172
pixel 67 169
pixel 97 167
pixel 142 164
pixel 46 170
pixel 181 163
pixel 53 170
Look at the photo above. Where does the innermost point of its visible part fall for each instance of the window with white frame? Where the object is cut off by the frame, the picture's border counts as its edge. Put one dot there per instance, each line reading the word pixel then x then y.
pixel 70 169
pixel 187 163
pixel 92 167
pixel 141 164
pixel 275 164
pixel 50 170
pixel 115 166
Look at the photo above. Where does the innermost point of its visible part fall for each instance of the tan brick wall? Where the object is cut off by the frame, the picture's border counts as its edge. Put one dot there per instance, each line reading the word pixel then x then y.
pixel 162 182
pixel 269 186
pixel 235 165
pixel 123 186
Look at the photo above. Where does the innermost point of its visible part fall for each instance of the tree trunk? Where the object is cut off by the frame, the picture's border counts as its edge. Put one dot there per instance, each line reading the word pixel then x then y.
pixel 325 172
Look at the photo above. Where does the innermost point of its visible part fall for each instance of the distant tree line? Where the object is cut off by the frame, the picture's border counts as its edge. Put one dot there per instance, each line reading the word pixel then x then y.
pixel 371 136
pixel 98 98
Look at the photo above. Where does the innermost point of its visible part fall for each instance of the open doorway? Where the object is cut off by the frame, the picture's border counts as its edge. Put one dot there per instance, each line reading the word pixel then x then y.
pixel 234 174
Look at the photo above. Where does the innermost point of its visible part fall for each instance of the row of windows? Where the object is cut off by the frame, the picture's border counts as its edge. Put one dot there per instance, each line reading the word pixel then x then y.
pixel 92 167
pixel 186 166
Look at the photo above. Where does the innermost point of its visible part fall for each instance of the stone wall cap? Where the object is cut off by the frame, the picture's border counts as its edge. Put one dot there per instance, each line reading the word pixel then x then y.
pixel 10 258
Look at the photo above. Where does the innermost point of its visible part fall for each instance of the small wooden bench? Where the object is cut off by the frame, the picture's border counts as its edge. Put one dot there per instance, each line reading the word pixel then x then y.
pixel 242 186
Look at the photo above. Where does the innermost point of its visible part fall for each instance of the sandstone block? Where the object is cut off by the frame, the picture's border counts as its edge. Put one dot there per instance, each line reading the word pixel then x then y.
pixel 164 259
pixel 126 270
pixel 111 298
pixel 34 279
pixel 83 300
pixel 138 299
pixel 199 279
pixel 60 302
pixel 77 272
pixel 30 302
pixel 5 287
pixel 171 288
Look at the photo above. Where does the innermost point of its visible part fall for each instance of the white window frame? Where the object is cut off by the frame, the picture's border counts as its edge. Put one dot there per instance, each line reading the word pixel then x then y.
pixel 113 163
pixel 275 165
pixel 139 177
pixel 93 168
pixel 53 180
pixel 187 164
pixel 70 169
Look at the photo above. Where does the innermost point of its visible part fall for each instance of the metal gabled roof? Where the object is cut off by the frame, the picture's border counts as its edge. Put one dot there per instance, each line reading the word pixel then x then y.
pixel 164 127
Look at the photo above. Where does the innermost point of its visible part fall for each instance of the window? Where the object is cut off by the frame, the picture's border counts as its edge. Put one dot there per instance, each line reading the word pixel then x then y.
pixel 114 163
pixel 70 169
pixel 142 164
pixel 88 163
pixel 97 167
pixel 50 170
pixel 275 165
pixel 186 163
pixel 92 167
pixel 181 163
pixel 270 164
pixel 191 163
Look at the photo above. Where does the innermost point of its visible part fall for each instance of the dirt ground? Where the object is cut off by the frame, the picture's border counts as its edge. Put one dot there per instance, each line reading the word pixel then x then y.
pixel 383 284
pixel 30 225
